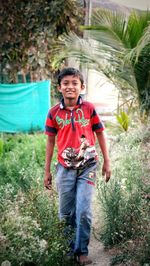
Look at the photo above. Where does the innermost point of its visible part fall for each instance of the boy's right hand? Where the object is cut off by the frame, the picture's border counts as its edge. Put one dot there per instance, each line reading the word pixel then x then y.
pixel 48 180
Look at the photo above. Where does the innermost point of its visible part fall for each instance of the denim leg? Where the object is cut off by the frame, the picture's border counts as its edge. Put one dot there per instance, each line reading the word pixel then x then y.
pixel 75 197
pixel 84 192
pixel 66 186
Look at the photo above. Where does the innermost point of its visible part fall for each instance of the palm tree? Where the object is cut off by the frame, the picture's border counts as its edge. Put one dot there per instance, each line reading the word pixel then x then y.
pixel 119 47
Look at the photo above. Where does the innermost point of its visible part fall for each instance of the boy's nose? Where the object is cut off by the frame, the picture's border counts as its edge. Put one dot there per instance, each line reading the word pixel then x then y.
pixel 70 86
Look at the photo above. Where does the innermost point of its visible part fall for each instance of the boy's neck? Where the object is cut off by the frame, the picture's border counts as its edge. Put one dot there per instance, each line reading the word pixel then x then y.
pixel 70 103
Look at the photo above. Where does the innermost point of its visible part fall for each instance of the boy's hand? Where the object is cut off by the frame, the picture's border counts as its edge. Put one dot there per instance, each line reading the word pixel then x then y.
pixel 106 171
pixel 48 181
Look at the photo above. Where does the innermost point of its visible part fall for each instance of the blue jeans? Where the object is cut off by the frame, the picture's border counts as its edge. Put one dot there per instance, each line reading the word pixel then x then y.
pixel 75 189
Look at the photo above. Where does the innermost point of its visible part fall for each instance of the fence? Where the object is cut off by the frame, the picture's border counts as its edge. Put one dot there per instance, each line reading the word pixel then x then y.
pixel 21 77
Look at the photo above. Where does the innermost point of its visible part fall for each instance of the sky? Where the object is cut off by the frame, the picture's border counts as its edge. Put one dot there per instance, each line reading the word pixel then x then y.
pixel 140 4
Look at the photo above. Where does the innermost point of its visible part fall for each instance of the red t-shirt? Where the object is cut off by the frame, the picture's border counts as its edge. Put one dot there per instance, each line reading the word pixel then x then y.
pixel 75 132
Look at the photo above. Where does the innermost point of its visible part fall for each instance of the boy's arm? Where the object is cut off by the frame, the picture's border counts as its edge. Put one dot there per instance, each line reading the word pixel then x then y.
pixel 48 158
pixel 106 170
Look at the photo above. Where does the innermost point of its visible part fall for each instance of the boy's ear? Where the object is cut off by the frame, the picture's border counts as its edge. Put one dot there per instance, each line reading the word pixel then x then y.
pixel 59 88
pixel 83 87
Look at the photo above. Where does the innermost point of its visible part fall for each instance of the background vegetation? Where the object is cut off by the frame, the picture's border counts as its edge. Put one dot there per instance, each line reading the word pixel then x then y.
pixel 124 201
pixel 31 233
pixel 29 222
pixel 29 31
pixel 118 46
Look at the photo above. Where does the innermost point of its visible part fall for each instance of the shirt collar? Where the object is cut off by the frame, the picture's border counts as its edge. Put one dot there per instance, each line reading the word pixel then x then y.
pixel 62 104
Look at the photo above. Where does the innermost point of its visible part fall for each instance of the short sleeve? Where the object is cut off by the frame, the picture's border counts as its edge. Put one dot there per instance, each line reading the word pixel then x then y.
pixel 50 127
pixel 97 124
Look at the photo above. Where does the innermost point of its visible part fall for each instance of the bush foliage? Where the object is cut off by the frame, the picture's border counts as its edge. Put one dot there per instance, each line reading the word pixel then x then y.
pixel 31 233
pixel 124 200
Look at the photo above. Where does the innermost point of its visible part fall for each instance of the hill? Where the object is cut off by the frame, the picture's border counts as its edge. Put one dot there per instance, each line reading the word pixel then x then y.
pixel 107 4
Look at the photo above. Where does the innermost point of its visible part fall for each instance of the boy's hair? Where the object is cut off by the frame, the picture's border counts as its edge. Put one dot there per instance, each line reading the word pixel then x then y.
pixel 70 71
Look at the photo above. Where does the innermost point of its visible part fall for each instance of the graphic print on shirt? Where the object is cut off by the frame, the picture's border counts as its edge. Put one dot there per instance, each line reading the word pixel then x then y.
pixel 80 119
pixel 91 178
pixel 78 158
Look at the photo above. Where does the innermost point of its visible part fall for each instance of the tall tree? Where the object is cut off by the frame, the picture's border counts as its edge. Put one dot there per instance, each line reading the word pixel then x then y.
pixel 29 30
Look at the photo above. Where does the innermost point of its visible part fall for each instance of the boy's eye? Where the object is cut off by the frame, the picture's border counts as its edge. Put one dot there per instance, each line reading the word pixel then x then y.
pixel 73 83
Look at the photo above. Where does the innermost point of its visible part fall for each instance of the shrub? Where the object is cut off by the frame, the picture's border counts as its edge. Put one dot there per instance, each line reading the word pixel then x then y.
pixel 31 231
pixel 22 161
pixel 122 200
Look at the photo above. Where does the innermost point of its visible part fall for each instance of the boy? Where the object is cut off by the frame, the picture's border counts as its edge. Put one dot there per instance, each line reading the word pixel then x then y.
pixel 74 121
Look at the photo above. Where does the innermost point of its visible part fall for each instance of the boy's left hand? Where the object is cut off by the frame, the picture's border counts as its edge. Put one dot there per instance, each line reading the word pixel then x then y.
pixel 106 171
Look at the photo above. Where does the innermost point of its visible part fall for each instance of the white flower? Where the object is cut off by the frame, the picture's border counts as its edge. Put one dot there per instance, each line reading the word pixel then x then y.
pixel 6 263
pixel 43 244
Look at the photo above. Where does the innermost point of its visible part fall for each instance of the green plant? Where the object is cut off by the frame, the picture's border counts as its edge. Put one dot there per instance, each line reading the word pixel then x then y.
pixel 36 32
pixel 30 226
pixel 118 46
pixel 123 120
pixel 1 147
pixel 31 229
pixel 22 162
pixel 123 200
pixel 121 258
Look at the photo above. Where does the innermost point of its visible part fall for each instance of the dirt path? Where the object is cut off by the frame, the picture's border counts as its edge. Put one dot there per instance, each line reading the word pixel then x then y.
pixel 97 253
pixel 99 256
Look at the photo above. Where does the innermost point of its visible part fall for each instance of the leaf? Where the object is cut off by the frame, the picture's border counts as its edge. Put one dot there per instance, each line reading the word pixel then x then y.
pixel 123 120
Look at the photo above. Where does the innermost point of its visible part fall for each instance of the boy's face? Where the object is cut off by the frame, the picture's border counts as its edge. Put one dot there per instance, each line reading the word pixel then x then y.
pixel 70 87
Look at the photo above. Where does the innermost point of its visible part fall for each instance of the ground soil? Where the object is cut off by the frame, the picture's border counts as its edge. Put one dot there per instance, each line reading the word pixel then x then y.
pixel 99 256
pixel 97 252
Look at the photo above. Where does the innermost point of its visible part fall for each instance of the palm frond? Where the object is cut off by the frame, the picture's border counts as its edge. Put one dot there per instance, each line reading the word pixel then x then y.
pixel 112 25
pixel 143 43
pixel 136 25
pixel 87 50
pixel 112 46
pixel 96 56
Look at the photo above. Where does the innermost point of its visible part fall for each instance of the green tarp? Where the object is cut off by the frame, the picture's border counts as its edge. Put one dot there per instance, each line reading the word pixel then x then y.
pixel 24 106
